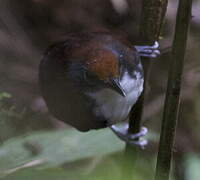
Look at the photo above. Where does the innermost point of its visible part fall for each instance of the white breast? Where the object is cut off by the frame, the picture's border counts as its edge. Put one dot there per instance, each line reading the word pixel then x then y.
pixel 112 105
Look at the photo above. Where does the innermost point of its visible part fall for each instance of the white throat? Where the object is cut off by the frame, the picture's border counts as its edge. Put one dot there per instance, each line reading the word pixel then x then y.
pixel 112 105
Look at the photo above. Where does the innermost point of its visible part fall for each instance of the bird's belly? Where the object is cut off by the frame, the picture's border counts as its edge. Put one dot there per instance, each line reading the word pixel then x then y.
pixel 112 106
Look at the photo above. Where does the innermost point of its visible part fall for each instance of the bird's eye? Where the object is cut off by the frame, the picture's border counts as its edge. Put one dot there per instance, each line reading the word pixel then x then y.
pixel 90 78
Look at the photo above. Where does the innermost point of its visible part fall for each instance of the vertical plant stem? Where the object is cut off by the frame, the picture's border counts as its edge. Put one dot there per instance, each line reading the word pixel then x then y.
pixel 153 12
pixel 172 99
pixel 152 15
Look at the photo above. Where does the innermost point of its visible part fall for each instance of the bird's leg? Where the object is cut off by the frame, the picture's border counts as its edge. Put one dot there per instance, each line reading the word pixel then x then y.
pixel 148 51
pixel 132 139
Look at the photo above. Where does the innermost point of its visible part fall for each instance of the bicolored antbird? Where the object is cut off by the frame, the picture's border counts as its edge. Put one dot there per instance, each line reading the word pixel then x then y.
pixel 92 80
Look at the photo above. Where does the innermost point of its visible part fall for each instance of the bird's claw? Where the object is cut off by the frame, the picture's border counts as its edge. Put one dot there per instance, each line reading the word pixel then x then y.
pixel 148 51
pixel 132 139
pixel 142 132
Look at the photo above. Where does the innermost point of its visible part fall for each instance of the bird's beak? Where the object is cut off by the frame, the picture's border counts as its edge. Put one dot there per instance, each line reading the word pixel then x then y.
pixel 115 85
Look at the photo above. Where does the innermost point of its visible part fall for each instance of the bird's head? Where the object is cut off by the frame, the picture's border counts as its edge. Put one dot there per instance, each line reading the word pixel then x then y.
pixel 100 68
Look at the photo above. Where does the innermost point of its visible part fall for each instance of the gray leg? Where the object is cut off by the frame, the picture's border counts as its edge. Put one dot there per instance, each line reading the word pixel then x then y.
pixel 132 139
pixel 148 51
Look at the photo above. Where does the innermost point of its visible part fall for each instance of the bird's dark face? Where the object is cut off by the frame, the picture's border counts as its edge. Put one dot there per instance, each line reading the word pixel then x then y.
pixel 100 70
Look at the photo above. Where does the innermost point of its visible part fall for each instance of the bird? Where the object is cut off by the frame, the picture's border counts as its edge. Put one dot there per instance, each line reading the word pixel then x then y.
pixel 91 80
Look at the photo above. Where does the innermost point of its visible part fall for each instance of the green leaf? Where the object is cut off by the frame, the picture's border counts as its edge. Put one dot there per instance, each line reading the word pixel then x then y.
pixel 4 95
pixel 109 167
pixel 47 174
pixel 192 166
pixel 52 148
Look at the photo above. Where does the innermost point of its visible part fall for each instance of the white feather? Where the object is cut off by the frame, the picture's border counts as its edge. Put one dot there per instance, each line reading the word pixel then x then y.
pixel 112 105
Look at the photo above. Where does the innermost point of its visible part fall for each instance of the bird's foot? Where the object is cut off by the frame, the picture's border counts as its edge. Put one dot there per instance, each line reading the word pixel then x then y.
pixel 148 51
pixel 132 139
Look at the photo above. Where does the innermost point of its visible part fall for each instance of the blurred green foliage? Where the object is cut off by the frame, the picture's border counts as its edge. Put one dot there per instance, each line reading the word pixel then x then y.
pixel 192 164
pixel 67 153
pixel 4 95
